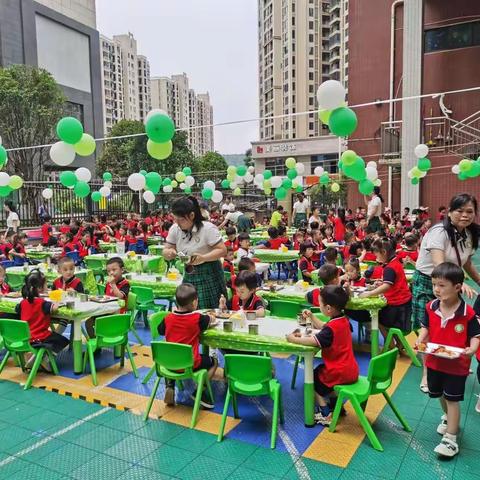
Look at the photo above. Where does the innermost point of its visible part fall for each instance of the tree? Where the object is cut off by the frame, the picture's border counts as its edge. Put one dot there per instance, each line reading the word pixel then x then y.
pixel 248 160
pixel 31 104
pixel 210 162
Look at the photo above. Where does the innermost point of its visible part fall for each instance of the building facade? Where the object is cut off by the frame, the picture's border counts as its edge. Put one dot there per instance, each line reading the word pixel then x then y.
pixel 187 109
pixel 44 34
pixel 338 41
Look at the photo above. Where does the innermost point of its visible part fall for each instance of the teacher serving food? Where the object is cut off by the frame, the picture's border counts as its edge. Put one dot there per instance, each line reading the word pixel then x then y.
pixel 192 236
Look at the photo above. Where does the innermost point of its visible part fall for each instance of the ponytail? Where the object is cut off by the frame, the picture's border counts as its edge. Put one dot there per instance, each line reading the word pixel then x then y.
pixel 34 282
pixel 187 205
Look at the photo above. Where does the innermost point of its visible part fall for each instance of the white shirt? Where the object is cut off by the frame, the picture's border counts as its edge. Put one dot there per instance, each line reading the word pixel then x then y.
pixel 12 216
pixel 301 207
pixel 374 208
pixel 233 217
pixel 437 239
pixel 201 242
pixel 225 207
pixel 313 219
pixel 241 252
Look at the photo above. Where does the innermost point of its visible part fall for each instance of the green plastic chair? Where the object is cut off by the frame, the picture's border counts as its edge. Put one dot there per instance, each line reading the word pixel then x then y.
pixel 174 361
pixel 101 288
pixel 154 322
pixel 16 339
pixel 284 308
pixel 97 267
pixel 227 276
pixel 132 309
pixel 16 281
pixel 377 381
pixel 400 335
pixel 110 331
pixel 145 301
pixel 153 265
pixel 251 376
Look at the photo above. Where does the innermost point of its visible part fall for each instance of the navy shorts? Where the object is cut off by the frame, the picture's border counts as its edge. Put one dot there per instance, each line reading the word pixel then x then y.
pixel 206 363
pixel 452 387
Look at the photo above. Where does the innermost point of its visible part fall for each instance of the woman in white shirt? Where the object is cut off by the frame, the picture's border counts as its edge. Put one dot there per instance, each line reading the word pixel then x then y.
pixel 13 221
pixel 239 219
pixel 194 236
pixel 374 211
pixel 300 209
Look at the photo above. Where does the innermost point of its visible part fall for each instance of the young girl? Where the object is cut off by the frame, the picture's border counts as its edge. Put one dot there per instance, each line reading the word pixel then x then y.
pixel 305 264
pixel 18 253
pixel 36 311
pixel 70 244
pixel 353 274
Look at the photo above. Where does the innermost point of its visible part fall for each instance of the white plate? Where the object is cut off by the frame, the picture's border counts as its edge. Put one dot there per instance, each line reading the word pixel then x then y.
pixel 456 352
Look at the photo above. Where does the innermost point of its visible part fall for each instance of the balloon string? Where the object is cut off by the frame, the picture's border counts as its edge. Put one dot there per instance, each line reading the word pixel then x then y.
pixel 272 117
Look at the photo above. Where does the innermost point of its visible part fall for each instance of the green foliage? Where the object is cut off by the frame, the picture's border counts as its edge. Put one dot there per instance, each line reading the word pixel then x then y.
pixel 248 160
pixel 67 206
pixel 210 162
pixel 323 195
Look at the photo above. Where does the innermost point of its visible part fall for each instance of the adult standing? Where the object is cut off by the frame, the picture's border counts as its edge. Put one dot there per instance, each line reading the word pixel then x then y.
pixel 226 206
pixel 192 235
pixel 374 211
pixel 13 220
pixel 454 240
pixel 300 209
pixel 237 218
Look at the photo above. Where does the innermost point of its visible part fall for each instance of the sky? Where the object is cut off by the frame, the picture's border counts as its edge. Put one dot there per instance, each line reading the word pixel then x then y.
pixel 213 41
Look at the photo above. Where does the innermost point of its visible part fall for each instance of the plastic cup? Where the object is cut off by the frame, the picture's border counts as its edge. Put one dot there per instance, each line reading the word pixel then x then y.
pixel 227 326
pixel 253 329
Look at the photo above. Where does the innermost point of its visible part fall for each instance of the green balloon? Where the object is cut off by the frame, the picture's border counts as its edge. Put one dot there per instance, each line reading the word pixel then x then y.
pixel 424 164
pixel 3 156
pixel 475 170
pixel 68 179
pixel 180 177
pixel 462 176
pixel 324 116
pixel 267 174
pixel 324 178
pixel 340 164
pixel 237 191
pixel 416 172
pixel 207 193
pixel 187 171
pixel 348 157
pixel 5 191
pixel 160 128
pixel 267 191
pixel 356 171
pixel 415 181
pixel 107 177
pixel 96 196
pixel 465 165
pixel 287 183
pixel 241 170
pixel 290 162
pixel 166 182
pixel 343 122
pixel 153 181
pixel 81 189
pixel 365 187
pixel 16 182
pixel 70 130
pixel 225 183
pixel 159 151
pixel 280 193
pixel 86 146
pixel 292 173
pixel 299 189
pixel 143 172
pixel 188 190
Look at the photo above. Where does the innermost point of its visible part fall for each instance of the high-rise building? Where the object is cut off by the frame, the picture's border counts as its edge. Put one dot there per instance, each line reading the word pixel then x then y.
pixel 126 80
pixel 187 109
pixel 338 41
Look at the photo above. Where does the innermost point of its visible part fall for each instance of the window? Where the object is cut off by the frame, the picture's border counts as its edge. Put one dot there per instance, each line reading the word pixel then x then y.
pixel 454 36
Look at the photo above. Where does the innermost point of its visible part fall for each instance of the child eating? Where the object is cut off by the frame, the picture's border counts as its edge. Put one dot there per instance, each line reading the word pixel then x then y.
pixel 245 297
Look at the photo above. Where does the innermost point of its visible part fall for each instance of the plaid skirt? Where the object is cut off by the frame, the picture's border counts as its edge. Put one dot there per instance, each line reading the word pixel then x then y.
pixel 299 220
pixel 243 224
pixel 209 280
pixel 422 292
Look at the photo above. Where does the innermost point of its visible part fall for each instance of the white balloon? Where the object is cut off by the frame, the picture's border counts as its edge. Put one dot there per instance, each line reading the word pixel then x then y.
pixel 276 181
pixel 251 168
pixel 168 189
pixel 47 193
pixel 189 181
pixel 148 196
pixel 104 191
pixel 456 169
pixel 300 168
pixel 372 164
pixel 377 182
pixel 108 184
pixel 209 184
pixel 152 112
pixel 62 153
pixel 233 185
pixel 217 196
pixel 318 171
pixel 372 173
pixel 182 186
pixel 136 181
pixel 83 174
pixel 4 179
pixel 421 150
pixel 1 140
pixel 258 179
pixel 331 94
pixel 248 177
pixel 239 180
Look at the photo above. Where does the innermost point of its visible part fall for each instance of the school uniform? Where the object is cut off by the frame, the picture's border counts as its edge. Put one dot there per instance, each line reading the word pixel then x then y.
pixel 228 267
pixel 403 254
pixel 73 283
pixel 65 229
pixel 5 288
pixel 251 304
pixel 46 234
pixel 275 243
pixel 306 265
pixel 446 376
pixel 124 288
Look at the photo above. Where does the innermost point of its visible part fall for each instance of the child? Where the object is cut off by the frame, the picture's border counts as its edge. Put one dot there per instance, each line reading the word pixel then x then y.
pixel 245 297
pixel 69 245
pixel 131 239
pixel 228 262
pixel 117 286
pixel 47 239
pixel 394 287
pixel 184 325
pixel 329 256
pixel 67 280
pixel 349 241
pixel 4 286
pixel 328 274
pixel 232 241
pixel 18 253
pixel 282 235
pixel 335 339
pixel 36 311
pixel 244 246
pixel 65 227
pixel 449 321
pixel 353 274
pixel 409 254
pixel 247 264
pixel 361 231
pixel 305 264
pixel 274 242
pixel 298 239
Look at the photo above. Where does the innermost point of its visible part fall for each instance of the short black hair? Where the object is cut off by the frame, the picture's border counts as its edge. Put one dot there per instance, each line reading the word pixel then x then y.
pixel 327 273
pixel 247 279
pixel 281 229
pixel 304 246
pixel 272 232
pixel 354 247
pixel 279 208
pixel 116 260
pixel 314 225
pixel 245 263
pixel 185 294
pixel 330 254
pixel 335 296
pixel 230 231
pixel 411 240
pixel 449 271
pixel 243 236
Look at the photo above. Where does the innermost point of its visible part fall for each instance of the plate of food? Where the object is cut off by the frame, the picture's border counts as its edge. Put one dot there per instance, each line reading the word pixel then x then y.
pixel 442 351
pixel 102 298
pixel 225 314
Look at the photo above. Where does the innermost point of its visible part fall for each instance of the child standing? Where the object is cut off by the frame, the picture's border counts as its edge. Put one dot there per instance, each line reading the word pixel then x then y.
pixel 449 321
pixel 47 239
pixel 335 339
pixel 232 240
pixel 184 325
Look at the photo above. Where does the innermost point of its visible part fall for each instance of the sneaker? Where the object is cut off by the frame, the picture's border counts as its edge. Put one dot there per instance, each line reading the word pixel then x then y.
pixel 447 447
pixel 205 401
pixel 322 420
pixel 442 427
pixel 169 398
pixel 477 406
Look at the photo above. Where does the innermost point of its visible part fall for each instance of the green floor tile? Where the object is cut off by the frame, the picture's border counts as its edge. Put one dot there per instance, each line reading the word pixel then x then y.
pixel 168 459
pixel 7 470
pixel 372 462
pixel 230 451
pixel 351 474
pixel 78 431
pixel 6 386
pixel 50 445
pixel 468 462
pixel 101 467
pixel 18 412
pixel 77 408
pixel 132 448
pixel 35 472
pixel 15 436
pixel 242 473
pixel 100 438
pixel 193 441
pixel 140 473
pixel 269 461
pixel 47 421
pixel 107 416
pixel 205 467
pixel 159 431
pixel 67 459
pixel 127 422
pixel 314 469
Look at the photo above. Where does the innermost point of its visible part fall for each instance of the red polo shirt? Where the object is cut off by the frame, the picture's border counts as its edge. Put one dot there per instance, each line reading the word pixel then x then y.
pixel 393 274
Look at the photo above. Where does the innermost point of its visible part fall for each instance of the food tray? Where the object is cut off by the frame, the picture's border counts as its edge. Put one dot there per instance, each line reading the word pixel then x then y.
pixel 102 299
pixel 449 353
pixel 221 314
pixel 13 295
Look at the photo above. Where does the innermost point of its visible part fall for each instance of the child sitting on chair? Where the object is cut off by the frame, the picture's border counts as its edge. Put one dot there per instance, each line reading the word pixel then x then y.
pixel 335 339
pixel 184 325
pixel 245 297
pixel 329 275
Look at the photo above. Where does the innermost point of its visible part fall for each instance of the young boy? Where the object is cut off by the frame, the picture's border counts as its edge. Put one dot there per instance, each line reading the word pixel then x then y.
pixel 409 254
pixel 329 275
pixel 117 286
pixel 305 264
pixel 228 262
pixel 245 297
pixel 232 241
pixel 335 339
pixel 244 246
pixel 67 280
pixel 184 325
pixel 449 321
pixel 47 239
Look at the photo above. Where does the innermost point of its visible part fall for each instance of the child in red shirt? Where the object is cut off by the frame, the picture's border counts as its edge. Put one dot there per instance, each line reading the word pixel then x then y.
pixel 335 339
pixel 70 244
pixel 18 252
pixel 65 228
pixel 245 297
pixel 47 239
pixel 298 239
pixel 451 322
pixel 4 286
pixel 305 264
pixel 409 254
pixel 185 325
pixel 67 280
pixel 353 274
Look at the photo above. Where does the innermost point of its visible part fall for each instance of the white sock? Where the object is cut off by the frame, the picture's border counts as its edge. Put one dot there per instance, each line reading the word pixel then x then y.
pixel 451 437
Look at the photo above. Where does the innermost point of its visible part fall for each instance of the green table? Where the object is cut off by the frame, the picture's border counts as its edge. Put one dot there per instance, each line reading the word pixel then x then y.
pixel 155 240
pixel 108 247
pixel 271 338
pixel 276 256
pixel 372 304
pixel 156 249
pixel 132 263
pixel 43 253
pixel 162 288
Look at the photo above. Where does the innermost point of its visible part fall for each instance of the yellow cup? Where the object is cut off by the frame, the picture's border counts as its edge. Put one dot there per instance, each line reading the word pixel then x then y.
pixel 171 275
pixel 56 296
